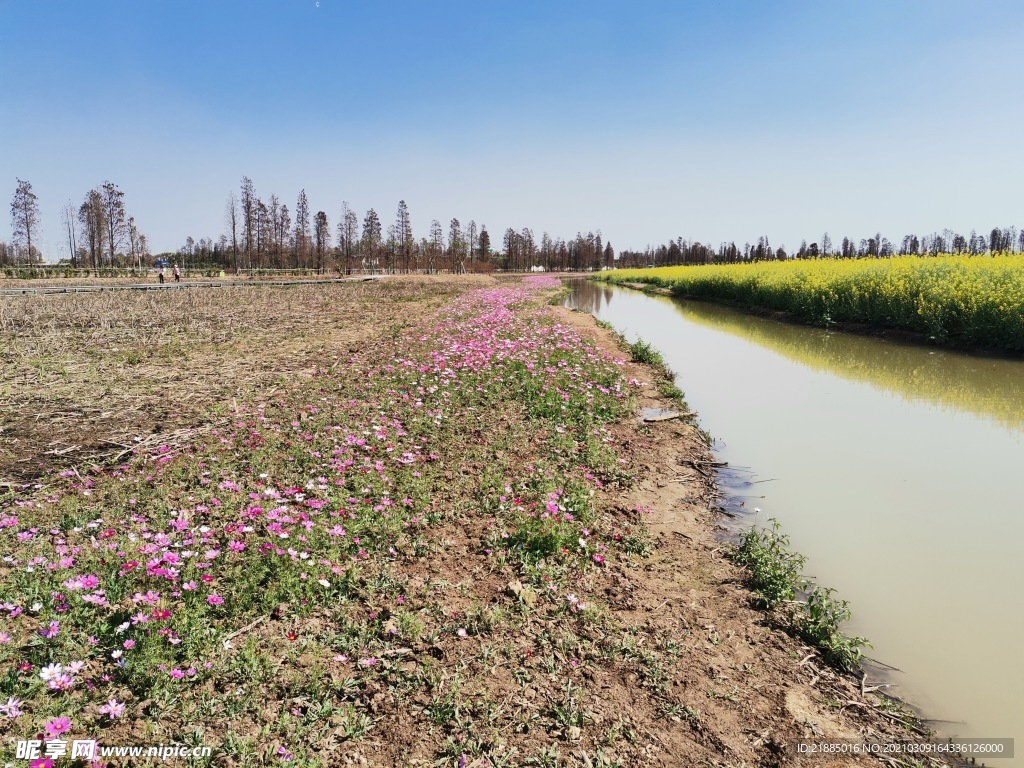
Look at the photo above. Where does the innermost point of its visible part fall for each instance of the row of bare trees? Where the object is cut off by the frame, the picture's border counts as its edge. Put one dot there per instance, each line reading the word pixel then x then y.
pixel 99 232
pixel 266 234
pixel 586 252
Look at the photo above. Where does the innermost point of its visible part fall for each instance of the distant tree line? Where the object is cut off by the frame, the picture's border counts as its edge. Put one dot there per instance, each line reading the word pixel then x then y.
pixel 266 234
pixel 680 251
pixel 98 233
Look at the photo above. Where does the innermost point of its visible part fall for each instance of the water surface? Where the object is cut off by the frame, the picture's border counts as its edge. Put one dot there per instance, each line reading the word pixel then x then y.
pixel 898 470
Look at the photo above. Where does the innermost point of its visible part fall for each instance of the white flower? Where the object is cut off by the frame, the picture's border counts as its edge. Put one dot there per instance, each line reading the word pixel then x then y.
pixel 123 627
pixel 116 654
pixel 51 672
pixel 323 582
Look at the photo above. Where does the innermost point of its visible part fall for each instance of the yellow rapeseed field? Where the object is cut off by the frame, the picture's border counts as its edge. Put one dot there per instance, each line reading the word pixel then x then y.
pixel 974 300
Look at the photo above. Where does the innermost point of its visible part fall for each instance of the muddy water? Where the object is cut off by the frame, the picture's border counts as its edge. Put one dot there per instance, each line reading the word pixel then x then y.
pixel 897 470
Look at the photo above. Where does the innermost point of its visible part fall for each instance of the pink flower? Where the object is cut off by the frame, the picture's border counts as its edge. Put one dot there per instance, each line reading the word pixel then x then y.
pixel 12 709
pixel 215 600
pixel 177 674
pixel 52 630
pixel 55 727
pixel 113 709
pixel 189 586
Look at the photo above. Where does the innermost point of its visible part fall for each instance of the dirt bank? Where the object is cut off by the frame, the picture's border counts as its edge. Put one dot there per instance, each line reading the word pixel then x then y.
pixel 759 690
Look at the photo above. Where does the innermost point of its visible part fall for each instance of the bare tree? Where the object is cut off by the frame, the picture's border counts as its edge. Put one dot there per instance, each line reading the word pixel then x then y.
pixel 24 216
pixel 371 239
pixel 403 233
pixel 456 246
pixel 435 247
pixel 69 216
pixel 248 217
pixel 133 243
pixel 348 233
pixel 93 221
pixel 262 230
pixel 232 219
pixel 114 216
pixel 321 238
pixel 471 240
pixel 301 230
pixel 485 244
pixel 274 222
pixel 284 232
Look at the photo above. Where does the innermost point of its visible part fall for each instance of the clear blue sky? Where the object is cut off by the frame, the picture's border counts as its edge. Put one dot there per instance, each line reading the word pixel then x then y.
pixel 648 120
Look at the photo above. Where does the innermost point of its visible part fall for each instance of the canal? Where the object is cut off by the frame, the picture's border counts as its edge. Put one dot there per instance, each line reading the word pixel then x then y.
pixel 898 470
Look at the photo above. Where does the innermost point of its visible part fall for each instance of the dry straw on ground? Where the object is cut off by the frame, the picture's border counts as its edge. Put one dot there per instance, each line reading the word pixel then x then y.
pixel 86 377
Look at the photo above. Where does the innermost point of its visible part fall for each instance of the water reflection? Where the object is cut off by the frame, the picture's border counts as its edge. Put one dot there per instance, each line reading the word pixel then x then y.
pixel 992 388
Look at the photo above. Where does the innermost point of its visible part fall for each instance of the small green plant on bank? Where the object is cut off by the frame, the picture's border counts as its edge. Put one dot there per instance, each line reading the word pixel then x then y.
pixel 672 392
pixel 642 352
pixel 776 577
pixel 823 617
pixel 775 570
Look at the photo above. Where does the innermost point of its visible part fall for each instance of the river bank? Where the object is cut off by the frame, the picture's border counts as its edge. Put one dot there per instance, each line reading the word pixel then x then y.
pixel 422 525
pixel 964 302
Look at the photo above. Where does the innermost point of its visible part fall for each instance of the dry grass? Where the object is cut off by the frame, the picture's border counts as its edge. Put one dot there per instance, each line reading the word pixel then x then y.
pixel 87 376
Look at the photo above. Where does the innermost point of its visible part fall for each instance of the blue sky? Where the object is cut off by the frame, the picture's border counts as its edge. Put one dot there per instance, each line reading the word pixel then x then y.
pixel 711 120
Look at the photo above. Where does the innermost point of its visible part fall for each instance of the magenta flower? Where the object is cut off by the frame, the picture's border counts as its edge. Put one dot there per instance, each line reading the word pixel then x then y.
pixel 57 726
pixel 215 600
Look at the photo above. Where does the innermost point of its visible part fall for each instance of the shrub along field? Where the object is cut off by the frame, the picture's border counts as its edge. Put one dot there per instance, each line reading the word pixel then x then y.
pixel 969 300
pixel 423 542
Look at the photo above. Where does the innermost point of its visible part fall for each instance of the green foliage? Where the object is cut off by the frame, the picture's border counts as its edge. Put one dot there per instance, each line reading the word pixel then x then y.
pixel 776 578
pixel 642 352
pixel 819 626
pixel 775 570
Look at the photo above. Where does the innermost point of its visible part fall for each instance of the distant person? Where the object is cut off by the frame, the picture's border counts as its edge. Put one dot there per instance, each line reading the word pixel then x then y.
pixel 177 274
pixel 160 275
